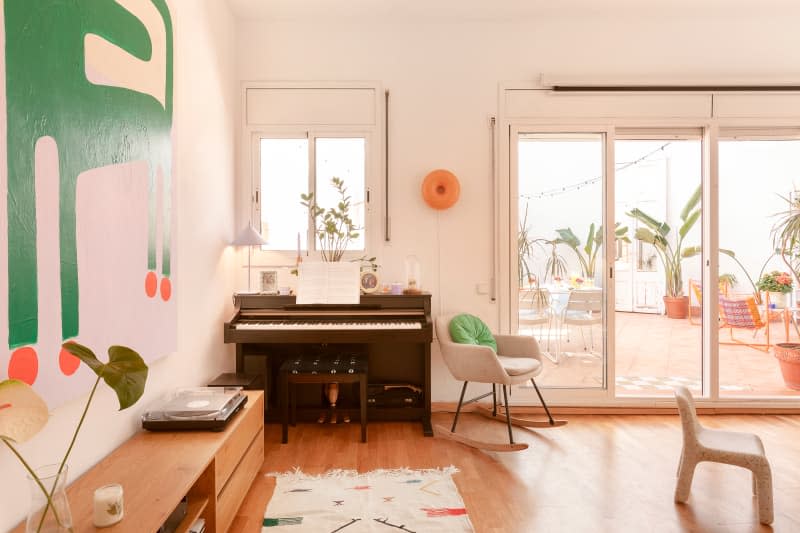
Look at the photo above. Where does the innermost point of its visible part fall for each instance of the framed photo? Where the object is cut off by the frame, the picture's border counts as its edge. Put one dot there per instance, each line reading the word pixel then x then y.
pixel 269 281
pixel 369 281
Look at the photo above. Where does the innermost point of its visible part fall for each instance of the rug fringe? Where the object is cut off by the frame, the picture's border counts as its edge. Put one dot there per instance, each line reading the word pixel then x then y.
pixel 297 474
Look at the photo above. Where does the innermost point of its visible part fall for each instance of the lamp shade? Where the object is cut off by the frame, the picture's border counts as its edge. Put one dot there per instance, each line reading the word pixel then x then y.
pixel 249 236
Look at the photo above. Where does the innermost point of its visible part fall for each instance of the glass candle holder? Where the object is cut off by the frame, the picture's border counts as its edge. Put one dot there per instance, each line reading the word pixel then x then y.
pixel 108 508
pixel 413 275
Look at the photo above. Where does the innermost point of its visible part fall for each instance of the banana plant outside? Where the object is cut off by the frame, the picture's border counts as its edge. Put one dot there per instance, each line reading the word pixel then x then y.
pixel 657 233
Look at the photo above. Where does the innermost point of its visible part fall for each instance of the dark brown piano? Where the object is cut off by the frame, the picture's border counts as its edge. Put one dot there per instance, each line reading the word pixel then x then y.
pixel 393 331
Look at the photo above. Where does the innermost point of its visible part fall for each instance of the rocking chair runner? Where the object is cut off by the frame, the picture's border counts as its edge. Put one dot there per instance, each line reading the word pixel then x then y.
pixel 517 360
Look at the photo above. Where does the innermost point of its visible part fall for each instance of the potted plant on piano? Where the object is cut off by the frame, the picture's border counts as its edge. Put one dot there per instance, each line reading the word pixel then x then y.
pixel 334 228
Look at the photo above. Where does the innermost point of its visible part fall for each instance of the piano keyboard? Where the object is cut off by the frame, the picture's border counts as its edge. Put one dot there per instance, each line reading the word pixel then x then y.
pixel 300 325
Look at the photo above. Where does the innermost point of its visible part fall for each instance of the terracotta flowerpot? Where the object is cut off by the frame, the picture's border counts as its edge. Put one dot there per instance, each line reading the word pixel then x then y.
pixel 788 355
pixel 677 306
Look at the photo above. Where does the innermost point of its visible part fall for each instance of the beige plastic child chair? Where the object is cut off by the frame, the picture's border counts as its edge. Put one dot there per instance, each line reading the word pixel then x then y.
pixel 728 447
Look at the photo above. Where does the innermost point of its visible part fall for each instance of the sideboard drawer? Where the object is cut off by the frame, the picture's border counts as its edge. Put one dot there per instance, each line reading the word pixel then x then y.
pixel 232 451
pixel 233 492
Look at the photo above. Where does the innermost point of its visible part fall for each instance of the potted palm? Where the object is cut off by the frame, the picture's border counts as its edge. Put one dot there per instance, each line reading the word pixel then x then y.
pixel 786 238
pixel 671 254
pixel 587 255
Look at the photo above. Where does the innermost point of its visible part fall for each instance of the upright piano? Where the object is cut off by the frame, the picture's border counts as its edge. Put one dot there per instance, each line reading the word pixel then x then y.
pixel 393 331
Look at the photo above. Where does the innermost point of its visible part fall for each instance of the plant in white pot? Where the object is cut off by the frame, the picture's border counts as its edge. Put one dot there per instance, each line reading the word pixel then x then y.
pixel 778 284
pixel 23 413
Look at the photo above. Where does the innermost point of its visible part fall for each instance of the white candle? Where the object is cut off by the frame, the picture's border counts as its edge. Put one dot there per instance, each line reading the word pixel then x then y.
pixel 108 505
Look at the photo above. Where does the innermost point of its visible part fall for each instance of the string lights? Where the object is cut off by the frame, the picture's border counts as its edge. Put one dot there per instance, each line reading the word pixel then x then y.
pixel 557 191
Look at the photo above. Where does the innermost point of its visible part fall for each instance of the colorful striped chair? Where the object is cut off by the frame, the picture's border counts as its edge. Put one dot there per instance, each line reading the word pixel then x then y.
pixel 743 313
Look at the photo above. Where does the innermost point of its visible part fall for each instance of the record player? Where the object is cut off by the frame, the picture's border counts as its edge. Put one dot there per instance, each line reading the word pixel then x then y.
pixel 209 408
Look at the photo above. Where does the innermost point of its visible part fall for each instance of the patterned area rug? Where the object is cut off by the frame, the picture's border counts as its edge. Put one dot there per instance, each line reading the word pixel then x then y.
pixel 413 501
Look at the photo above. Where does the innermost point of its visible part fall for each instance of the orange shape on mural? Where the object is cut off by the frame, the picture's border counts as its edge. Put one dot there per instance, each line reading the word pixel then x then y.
pixel 150 284
pixel 67 362
pixel 24 365
pixel 166 289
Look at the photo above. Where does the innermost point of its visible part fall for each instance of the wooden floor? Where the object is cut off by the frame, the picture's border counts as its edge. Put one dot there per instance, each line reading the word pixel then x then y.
pixel 600 473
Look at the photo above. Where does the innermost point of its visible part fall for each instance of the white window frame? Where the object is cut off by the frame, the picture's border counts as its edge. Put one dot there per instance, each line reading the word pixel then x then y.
pixel 370 128
pixel 530 108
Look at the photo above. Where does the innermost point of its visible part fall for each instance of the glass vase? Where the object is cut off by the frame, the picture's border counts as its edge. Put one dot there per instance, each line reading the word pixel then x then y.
pixel 53 517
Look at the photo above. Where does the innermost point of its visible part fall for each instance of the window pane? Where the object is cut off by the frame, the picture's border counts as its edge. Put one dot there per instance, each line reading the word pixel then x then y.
pixel 560 298
pixel 657 289
pixel 343 158
pixel 755 179
pixel 284 176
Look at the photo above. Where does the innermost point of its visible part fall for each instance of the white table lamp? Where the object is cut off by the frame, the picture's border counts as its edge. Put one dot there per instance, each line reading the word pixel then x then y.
pixel 249 237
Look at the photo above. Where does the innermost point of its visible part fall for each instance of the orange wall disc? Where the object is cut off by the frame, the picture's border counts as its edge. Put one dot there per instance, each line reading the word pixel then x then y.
pixel 440 189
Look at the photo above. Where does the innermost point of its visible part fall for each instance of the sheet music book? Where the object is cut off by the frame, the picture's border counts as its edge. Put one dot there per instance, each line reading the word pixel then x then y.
pixel 329 283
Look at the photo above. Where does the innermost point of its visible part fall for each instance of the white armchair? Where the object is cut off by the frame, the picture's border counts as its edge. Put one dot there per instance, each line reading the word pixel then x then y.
pixel 517 360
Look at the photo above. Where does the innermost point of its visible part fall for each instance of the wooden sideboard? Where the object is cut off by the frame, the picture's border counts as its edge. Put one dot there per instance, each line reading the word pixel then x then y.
pixel 157 469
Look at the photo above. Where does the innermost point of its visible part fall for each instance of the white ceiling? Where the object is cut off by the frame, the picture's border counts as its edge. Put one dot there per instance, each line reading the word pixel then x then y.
pixel 500 10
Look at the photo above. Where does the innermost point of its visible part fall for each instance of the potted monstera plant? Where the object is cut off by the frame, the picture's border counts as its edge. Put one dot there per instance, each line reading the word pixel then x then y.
pixel 670 250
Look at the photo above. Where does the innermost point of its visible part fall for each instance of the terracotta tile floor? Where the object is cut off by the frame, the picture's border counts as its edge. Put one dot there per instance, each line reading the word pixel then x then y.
pixel 654 353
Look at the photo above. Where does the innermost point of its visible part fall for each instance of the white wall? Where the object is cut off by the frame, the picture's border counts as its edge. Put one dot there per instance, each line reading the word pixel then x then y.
pixel 443 62
pixel 205 96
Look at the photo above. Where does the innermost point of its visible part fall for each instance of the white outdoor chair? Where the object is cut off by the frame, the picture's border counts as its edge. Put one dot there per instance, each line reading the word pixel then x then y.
pixel 534 310
pixel 584 308
pixel 728 447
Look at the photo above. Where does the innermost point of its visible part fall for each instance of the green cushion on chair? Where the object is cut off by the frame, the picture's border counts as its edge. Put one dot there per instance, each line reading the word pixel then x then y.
pixel 469 329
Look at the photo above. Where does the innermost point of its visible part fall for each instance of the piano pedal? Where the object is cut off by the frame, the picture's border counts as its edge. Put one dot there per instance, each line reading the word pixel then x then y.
pixel 322 417
pixel 334 415
pixel 346 419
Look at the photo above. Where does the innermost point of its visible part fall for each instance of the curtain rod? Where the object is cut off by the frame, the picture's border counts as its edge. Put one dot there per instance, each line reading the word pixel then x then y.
pixel 674 88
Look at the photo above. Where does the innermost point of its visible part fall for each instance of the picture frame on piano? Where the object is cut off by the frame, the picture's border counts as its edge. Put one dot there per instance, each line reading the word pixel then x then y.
pixel 369 281
pixel 269 282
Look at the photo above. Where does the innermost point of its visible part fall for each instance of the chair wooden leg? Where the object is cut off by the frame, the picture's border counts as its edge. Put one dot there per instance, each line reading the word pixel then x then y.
pixel 494 399
pixel 458 409
pixel 541 399
pixel 508 416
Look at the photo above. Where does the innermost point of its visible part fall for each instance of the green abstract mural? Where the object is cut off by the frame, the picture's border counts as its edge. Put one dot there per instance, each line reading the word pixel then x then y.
pixel 96 77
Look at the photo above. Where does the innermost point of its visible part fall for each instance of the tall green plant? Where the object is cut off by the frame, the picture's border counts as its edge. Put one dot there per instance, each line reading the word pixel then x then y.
pixel 671 254
pixel 786 235
pixel 333 226
pixel 587 255
pixel 524 250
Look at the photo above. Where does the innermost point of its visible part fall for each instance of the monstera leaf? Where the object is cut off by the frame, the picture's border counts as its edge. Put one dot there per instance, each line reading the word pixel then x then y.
pixel 23 413
pixel 125 371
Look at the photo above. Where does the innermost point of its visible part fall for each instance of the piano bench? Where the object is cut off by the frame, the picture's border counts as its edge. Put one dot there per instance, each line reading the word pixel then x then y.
pixel 322 370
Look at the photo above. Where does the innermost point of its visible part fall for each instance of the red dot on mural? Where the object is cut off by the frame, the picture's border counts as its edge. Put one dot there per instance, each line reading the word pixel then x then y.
pixel 24 365
pixel 67 362
pixel 166 289
pixel 150 284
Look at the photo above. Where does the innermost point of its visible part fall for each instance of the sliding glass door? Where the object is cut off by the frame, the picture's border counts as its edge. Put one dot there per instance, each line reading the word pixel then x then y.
pixel 657 282
pixel 758 177
pixel 559 253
